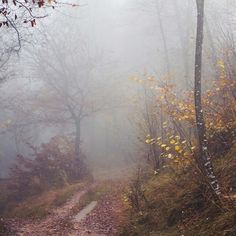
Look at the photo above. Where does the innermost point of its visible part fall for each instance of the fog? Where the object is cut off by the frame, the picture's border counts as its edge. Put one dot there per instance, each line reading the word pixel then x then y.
pixel 96 48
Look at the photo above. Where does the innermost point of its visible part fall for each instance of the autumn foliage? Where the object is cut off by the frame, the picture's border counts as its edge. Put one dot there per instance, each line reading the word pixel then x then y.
pixel 15 13
pixel 174 116
pixel 54 164
pixel 175 197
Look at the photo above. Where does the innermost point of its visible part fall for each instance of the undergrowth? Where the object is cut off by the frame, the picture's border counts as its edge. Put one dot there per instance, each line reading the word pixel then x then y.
pixel 178 203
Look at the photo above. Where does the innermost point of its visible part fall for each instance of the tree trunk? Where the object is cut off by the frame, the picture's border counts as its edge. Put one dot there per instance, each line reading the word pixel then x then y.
pixel 152 132
pixel 164 40
pixel 184 38
pixel 214 56
pixel 77 138
pixel 204 160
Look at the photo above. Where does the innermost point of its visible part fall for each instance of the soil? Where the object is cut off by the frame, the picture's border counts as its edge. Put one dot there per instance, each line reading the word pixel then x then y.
pixel 100 219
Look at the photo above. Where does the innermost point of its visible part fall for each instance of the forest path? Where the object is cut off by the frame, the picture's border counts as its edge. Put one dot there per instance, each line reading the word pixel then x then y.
pixel 100 219
pixel 104 220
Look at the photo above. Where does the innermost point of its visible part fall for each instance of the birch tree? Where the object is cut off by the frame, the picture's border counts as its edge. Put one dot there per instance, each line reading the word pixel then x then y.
pixel 204 160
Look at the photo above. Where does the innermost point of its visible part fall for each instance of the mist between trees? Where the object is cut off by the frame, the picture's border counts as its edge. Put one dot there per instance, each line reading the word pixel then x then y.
pixel 91 87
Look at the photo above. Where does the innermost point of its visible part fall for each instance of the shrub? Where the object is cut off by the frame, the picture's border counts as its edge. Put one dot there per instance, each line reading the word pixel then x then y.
pixel 54 164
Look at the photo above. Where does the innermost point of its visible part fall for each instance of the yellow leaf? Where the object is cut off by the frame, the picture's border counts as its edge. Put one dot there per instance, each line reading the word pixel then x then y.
pixel 172 141
pixel 177 148
pixel 148 141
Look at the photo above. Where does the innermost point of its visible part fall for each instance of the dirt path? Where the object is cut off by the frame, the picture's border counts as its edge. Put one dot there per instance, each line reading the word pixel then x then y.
pixel 102 220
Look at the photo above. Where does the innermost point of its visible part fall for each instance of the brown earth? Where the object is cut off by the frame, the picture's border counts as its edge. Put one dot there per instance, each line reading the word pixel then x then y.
pixel 104 220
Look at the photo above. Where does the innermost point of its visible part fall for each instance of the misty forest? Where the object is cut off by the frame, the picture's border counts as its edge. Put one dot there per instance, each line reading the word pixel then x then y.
pixel 118 117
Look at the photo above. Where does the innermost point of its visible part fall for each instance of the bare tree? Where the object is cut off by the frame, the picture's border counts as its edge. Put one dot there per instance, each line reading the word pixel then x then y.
pixel 69 94
pixel 163 36
pixel 183 34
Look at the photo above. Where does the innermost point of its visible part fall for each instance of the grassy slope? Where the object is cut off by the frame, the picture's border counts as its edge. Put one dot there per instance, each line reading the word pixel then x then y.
pixel 177 206
pixel 40 206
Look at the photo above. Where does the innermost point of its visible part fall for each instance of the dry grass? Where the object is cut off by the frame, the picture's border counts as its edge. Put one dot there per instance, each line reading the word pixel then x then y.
pixel 40 206
pixel 180 204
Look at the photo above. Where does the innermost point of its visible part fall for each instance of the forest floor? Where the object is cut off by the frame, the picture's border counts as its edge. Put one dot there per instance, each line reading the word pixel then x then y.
pixel 102 219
